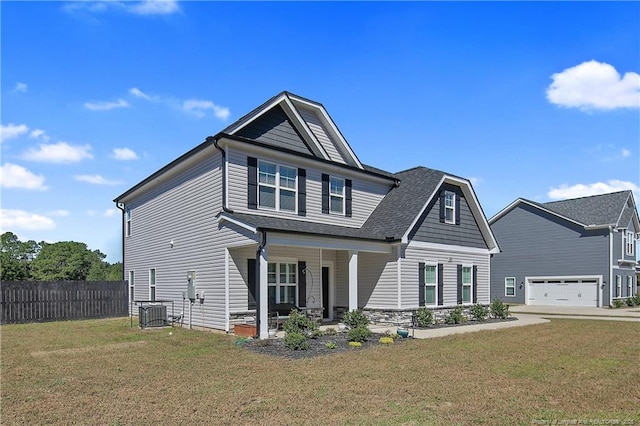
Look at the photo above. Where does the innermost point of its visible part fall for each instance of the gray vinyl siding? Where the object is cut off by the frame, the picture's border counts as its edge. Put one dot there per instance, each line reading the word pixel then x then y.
pixel 319 131
pixel 431 230
pixel 377 280
pixel 626 222
pixel 366 195
pixel 274 128
pixel 535 243
pixel 449 259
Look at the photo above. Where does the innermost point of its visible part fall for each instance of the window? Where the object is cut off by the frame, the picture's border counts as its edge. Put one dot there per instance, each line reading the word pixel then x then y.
pixel 466 283
pixel 128 219
pixel 629 243
pixel 431 284
pixel 336 195
pixel 152 285
pixel 629 286
pixel 449 207
pixel 618 286
pixel 132 287
pixel 276 186
pixel 282 282
pixel 510 286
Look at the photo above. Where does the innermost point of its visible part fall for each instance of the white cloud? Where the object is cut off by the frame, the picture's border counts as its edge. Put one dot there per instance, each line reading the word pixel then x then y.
pixel 14 176
pixel 96 180
pixel 16 220
pixel 39 134
pixel 625 153
pixel 110 213
pixel 594 85
pixel 144 8
pixel 154 7
pixel 60 152
pixel 139 93
pixel 199 108
pixel 20 87
pixel 106 106
pixel 124 154
pixel 58 213
pixel 583 190
pixel 475 180
pixel 11 131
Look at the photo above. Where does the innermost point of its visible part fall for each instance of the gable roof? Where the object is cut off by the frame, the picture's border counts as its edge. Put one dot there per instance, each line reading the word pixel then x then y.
pixel 592 211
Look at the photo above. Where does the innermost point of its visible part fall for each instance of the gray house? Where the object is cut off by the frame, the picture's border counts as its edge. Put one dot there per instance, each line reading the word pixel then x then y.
pixel 277 208
pixel 577 252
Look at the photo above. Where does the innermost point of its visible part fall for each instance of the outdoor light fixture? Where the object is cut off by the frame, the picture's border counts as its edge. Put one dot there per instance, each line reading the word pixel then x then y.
pixel 171 243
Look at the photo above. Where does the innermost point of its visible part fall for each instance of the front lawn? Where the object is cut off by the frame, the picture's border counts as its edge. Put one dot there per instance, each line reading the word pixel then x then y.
pixel 103 372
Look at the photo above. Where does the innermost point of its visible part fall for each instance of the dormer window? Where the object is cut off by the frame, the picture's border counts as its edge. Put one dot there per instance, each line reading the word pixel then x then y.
pixel 629 243
pixel 449 207
pixel 276 186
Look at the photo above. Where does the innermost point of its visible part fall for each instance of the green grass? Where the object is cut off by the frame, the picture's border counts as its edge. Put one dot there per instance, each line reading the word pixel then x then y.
pixel 104 372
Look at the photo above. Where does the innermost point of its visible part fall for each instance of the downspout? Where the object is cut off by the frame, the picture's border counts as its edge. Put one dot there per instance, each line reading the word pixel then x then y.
pixel 610 266
pixel 120 207
pixel 261 246
pixel 224 173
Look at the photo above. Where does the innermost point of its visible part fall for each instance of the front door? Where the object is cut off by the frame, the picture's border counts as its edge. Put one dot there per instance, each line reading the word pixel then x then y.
pixel 325 292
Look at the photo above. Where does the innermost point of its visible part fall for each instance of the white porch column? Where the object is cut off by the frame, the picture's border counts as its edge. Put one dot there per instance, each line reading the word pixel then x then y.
pixel 353 280
pixel 263 333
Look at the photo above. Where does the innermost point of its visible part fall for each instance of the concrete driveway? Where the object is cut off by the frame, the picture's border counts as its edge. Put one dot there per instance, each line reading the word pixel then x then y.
pixel 616 314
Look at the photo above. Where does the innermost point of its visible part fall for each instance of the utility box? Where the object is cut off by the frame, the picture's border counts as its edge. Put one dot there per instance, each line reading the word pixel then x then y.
pixel 191 286
pixel 152 316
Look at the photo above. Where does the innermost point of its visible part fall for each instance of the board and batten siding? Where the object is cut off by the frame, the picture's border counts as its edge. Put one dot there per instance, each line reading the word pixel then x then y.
pixel 450 260
pixel 377 280
pixel 320 133
pixel 366 195
pixel 535 243
pixel 431 230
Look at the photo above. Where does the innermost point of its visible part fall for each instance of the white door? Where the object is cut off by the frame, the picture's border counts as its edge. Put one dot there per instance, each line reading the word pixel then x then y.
pixel 562 292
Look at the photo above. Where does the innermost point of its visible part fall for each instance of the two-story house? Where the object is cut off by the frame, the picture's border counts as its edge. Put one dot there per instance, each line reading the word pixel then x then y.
pixel 277 208
pixel 576 252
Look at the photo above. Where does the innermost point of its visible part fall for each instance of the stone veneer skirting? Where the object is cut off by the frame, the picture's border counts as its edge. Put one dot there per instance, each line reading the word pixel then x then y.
pixel 403 317
pixel 249 317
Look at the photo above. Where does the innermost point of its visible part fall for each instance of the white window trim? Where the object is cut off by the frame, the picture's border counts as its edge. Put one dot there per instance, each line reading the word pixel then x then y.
pixel 435 265
pixel 629 243
pixel 341 196
pixel 629 286
pixel 470 285
pixel 278 188
pixel 132 285
pixel 452 207
pixel 278 284
pixel 153 291
pixel 128 221
pixel 507 286
pixel 618 286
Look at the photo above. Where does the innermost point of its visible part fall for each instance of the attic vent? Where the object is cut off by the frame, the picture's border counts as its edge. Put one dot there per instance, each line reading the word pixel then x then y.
pixel 152 316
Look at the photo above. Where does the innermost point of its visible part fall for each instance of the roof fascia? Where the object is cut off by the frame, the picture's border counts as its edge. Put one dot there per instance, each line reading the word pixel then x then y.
pixel 529 203
pixel 634 217
pixel 336 133
pixel 222 218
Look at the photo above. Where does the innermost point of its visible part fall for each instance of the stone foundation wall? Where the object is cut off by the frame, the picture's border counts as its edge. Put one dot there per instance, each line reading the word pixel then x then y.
pixel 402 317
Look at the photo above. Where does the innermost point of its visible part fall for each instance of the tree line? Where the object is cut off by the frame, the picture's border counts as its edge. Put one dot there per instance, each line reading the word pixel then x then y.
pixel 64 260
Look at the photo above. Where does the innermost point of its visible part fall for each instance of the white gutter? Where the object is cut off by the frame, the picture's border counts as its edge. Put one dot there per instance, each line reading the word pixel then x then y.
pixel 610 265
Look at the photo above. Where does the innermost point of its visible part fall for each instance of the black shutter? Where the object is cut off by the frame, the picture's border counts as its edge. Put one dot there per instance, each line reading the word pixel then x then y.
pixel 475 284
pixel 442 207
pixel 325 193
pixel 459 284
pixel 302 284
pixel 302 192
pixel 252 179
pixel 457 208
pixel 251 283
pixel 440 284
pixel 348 202
pixel 421 296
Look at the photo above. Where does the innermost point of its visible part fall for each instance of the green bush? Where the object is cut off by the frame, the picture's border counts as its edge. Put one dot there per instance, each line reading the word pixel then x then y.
pixel 424 317
pixel 386 340
pixel 314 334
pixel 355 344
pixel 630 302
pixel 617 303
pixel 498 309
pixel 355 319
pixel 296 341
pixel 299 323
pixel 479 312
pixel 636 299
pixel 359 334
pixel 455 316
pixel 330 345
pixel 330 331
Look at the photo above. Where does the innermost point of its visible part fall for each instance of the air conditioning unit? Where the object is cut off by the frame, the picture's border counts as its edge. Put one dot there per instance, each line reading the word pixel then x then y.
pixel 152 316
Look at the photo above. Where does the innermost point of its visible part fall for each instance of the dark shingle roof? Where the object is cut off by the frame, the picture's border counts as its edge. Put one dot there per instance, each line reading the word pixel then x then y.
pixel 600 210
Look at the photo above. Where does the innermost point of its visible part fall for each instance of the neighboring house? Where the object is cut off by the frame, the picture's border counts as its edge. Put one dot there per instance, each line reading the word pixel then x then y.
pixel 578 252
pixel 277 208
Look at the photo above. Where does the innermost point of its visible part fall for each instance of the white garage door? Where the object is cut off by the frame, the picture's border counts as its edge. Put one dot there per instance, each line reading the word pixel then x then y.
pixel 562 292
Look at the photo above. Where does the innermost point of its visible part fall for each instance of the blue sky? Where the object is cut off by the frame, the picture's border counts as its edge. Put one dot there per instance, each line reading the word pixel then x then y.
pixel 534 100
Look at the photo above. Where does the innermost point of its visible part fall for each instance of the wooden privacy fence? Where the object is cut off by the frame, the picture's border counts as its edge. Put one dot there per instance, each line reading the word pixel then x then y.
pixel 31 301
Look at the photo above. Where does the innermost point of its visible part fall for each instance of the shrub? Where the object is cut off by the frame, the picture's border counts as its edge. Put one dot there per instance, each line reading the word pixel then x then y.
pixel 617 303
pixel 299 323
pixel 355 344
pixel 636 299
pixel 296 341
pixel 386 340
pixel 355 319
pixel 424 317
pixel 314 334
pixel 330 331
pixel 454 316
pixel 330 345
pixel 498 309
pixel 479 312
pixel 359 334
pixel 629 301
